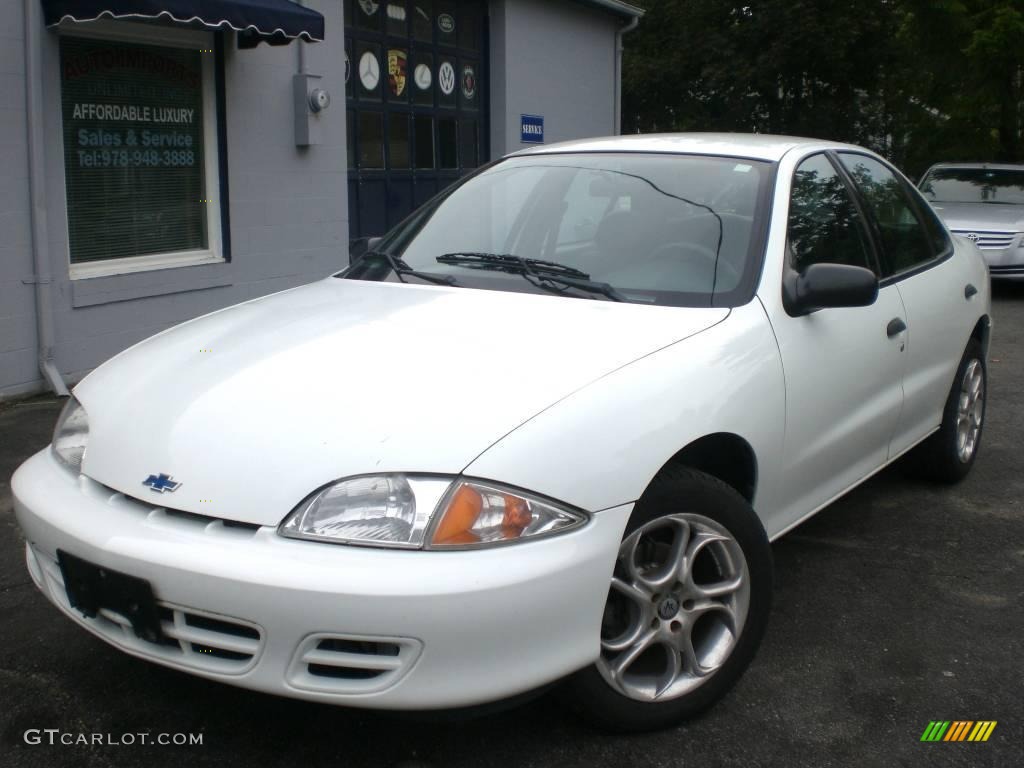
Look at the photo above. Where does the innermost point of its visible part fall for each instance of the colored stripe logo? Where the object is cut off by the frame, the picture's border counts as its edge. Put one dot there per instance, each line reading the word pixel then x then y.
pixel 958 730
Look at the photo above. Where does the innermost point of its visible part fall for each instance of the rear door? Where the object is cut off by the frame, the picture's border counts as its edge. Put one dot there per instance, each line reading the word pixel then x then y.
pixel 843 366
pixel 916 260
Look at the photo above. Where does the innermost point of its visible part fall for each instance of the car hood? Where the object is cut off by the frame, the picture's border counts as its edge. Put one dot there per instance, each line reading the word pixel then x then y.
pixel 981 216
pixel 254 407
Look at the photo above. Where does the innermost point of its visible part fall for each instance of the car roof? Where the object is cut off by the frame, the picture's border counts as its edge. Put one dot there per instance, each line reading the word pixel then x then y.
pixel 980 166
pixel 756 146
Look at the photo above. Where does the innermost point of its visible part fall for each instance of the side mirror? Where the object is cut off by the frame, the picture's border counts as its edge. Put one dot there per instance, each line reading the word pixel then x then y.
pixel 356 248
pixel 822 286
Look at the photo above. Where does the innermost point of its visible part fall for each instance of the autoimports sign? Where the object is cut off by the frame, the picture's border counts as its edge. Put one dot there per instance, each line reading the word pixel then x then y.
pixel 133 148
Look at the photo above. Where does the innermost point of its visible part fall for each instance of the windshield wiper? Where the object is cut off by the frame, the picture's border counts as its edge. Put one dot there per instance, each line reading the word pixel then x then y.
pixel 539 272
pixel 516 262
pixel 403 270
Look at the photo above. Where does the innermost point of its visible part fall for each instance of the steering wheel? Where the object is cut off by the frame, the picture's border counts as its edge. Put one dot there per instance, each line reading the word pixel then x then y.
pixel 677 251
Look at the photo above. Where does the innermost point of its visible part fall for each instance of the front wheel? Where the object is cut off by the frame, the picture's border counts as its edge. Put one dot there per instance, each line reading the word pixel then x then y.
pixel 686 609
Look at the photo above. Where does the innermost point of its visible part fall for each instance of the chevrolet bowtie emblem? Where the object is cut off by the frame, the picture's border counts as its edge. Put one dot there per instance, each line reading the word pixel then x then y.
pixel 161 483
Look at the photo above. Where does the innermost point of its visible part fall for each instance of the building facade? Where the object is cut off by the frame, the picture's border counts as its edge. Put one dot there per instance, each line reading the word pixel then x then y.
pixel 160 164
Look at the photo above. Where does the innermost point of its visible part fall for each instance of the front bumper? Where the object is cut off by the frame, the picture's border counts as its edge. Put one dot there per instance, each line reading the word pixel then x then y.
pixel 356 626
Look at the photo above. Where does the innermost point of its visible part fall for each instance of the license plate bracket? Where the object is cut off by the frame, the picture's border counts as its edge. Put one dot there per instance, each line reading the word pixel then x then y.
pixel 91 587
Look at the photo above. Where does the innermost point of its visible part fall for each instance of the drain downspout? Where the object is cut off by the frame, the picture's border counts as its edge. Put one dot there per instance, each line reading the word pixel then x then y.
pixel 37 203
pixel 623 31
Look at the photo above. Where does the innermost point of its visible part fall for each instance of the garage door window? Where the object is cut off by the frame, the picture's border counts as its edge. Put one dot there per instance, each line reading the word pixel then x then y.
pixel 140 153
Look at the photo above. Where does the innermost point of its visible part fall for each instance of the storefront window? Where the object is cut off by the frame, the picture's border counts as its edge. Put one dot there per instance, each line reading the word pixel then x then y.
pixel 136 155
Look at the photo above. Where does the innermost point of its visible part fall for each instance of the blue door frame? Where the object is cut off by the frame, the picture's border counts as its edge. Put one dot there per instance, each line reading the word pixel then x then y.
pixel 414 133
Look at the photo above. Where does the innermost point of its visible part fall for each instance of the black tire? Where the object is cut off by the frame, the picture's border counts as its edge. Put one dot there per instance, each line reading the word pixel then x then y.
pixel 684 490
pixel 938 459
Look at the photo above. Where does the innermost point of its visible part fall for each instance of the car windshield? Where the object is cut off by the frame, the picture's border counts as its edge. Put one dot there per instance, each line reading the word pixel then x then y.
pixel 680 230
pixel 974 185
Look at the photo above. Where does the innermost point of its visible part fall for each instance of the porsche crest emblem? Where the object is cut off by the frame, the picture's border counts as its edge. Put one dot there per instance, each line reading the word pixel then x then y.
pixel 396 71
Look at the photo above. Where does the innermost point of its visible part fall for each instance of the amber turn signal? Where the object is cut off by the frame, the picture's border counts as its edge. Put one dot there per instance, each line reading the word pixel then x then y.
pixel 480 514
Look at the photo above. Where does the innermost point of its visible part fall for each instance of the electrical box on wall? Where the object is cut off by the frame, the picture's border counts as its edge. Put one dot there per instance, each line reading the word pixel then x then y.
pixel 310 102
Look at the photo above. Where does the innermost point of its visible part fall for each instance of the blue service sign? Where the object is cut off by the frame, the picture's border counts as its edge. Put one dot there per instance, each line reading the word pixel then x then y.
pixel 533 129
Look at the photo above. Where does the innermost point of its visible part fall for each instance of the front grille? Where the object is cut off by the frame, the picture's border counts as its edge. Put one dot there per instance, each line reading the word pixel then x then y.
pixel 987 239
pixel 1007 271
pixel 340 664
pixel 165 518
pixel 192 638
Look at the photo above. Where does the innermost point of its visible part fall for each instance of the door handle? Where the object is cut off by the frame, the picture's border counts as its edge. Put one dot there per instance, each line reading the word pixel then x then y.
pixel 969 291
pixel 895 327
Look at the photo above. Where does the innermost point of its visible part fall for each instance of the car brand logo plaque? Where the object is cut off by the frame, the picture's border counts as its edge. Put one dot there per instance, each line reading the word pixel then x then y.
pixel 396 71
pixel 369 71
pixel 446 78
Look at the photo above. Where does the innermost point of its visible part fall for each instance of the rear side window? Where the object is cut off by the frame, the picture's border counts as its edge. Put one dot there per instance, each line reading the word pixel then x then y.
pixel 907 243
pixel 824 225
pixel 936 232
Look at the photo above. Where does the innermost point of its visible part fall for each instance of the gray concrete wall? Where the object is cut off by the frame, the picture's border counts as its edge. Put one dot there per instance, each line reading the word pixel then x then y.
pixel 288 208
pixel 554 58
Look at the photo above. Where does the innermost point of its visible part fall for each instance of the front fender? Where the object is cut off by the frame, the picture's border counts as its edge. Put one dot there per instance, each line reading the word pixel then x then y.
pixel 601 446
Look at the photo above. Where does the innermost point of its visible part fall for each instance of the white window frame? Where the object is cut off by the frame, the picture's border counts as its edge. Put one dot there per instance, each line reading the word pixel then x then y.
pixel 168 37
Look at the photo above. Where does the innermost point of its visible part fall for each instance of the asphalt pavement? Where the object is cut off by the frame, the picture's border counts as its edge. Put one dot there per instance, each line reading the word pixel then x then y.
pixel 897 605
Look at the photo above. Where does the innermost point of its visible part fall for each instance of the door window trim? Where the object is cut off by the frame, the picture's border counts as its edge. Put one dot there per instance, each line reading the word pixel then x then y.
pixel 865 224
pixel 915 201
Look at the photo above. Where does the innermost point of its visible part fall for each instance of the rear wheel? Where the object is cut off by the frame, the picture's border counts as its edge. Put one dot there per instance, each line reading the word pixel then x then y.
pixel 686 609
pixel 948 455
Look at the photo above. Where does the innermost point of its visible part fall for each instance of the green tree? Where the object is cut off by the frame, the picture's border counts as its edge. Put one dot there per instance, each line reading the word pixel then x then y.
pixel 918 80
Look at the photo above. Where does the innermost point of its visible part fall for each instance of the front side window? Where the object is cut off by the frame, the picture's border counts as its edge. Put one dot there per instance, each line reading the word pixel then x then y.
pixel 974 185
pixel 140 168
pixel 661 229
pixel 824 225
pixel 906 242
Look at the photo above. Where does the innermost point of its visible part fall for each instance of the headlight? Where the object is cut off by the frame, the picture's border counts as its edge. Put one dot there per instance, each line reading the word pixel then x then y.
pixel 70 436
pixel 411 512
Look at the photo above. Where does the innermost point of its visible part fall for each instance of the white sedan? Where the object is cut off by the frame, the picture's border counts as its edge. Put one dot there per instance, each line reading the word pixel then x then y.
pixel 542 431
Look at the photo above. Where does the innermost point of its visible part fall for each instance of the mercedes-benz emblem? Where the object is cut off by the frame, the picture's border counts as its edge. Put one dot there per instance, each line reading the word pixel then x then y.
pixel 369 71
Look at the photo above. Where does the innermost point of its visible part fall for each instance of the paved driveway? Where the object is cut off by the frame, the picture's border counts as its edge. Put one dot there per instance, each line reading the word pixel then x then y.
pixel 897 605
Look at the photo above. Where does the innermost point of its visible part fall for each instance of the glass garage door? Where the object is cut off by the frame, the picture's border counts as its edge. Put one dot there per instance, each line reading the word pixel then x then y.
pixel 416 107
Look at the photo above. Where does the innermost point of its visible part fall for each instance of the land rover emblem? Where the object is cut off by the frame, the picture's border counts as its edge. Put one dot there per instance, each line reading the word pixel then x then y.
pixel 973 237
pixel 446 23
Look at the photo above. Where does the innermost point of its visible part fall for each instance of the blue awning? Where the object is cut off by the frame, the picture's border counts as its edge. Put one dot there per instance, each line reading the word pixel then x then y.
pixel 273 21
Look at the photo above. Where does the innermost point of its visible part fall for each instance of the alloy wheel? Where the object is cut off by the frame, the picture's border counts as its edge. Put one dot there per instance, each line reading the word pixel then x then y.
pixel 970 410
pixel 678 600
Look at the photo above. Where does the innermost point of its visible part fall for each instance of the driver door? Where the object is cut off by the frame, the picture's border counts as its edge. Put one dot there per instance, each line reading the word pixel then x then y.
pixel 843 366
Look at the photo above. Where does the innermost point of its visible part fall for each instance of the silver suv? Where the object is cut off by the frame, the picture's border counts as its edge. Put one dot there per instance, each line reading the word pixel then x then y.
pixel 983 202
